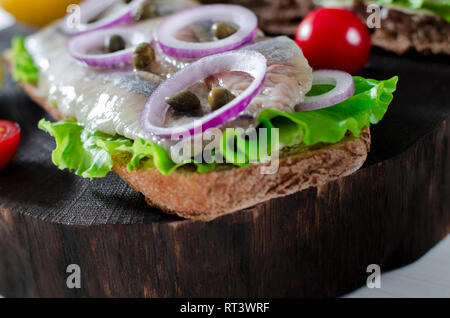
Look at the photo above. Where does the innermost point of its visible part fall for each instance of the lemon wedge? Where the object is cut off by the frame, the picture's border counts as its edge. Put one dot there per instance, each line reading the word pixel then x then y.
pixel 37 12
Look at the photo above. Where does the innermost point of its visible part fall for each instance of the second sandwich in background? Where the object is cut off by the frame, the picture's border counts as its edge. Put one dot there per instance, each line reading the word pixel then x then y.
pixel 421 26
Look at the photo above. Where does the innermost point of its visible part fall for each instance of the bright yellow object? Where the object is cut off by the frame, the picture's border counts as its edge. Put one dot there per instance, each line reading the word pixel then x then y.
pixel 37 12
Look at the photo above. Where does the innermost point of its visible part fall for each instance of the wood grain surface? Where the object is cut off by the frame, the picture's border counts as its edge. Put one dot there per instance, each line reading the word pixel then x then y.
pixel 314 243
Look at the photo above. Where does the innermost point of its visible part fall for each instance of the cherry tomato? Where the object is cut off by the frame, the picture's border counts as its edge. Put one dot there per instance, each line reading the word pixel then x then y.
pixel 9 141
pixel 334 39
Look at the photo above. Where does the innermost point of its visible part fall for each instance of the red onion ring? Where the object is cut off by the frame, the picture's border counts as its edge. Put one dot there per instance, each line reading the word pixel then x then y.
pixel 79 45
pixel 92 8
pixel 242 17
pixel 251 62
pixel 344 89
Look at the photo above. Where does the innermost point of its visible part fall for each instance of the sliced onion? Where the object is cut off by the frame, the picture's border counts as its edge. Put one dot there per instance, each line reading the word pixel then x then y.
pixel 154 112
pixel 80 45
pixel 344 88
pixel 242 17
pixel 89 9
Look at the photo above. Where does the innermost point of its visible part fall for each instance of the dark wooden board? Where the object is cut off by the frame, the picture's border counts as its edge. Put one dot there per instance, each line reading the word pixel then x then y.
pixel 314 243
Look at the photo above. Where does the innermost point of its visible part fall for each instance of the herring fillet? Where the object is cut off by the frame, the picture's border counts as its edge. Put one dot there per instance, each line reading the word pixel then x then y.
pixel 111 101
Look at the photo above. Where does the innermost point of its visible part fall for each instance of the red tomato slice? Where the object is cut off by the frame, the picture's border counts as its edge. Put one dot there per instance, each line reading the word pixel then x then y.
pixel 9 141
pixel 334 39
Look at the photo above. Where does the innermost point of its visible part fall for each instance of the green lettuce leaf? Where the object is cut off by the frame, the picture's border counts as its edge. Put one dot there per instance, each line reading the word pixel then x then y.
pixel 24 69
pixel 440 8
pixel 77 150
pixel 367 106
pixel 91 154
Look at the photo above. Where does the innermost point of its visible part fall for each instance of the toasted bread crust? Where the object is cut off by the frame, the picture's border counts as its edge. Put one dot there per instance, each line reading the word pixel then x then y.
pixel 210 195
pixel 207 196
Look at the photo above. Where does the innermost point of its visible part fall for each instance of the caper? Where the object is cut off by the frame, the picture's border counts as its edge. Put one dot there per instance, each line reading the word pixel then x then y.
pixel 93 20
pixel 184 101
pixel 144 11
pixel 143 56
pixel 219 97
pixel 114 43
pixel 222 30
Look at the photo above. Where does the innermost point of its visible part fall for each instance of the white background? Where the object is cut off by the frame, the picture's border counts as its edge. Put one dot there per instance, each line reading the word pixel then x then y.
pixel 428 277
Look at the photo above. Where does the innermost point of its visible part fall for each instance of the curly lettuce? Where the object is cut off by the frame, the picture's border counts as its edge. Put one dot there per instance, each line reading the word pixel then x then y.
pixel 367 106
pixel 23 68
pixel 440 8
pixel 91 154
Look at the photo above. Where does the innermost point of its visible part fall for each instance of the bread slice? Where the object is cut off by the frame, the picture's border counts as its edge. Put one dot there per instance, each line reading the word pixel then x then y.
pixel 401 31
pixel 210 195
